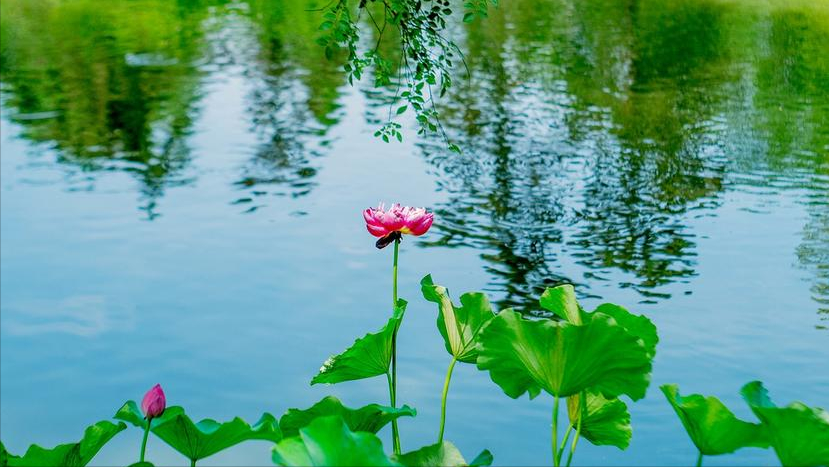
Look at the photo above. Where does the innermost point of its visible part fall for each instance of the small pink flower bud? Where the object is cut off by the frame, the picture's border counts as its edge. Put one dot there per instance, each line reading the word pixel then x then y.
pixel 154 402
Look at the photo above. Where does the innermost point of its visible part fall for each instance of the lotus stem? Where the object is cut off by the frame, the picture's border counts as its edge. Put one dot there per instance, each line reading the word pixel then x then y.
pixel 699 459
pixel 192 462
pixel 555 432
pixel 582 411
pixel 394 273
pixel 144 441
pixel 443 398
pixel 392 401
pixel 564 443
pixel 395 434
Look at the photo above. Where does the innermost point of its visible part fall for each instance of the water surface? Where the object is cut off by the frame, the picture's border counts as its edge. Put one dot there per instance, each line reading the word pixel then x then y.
pixel 181 186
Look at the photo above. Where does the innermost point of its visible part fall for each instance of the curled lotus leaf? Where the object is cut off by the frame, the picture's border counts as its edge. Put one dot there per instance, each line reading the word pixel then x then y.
pixel 370 418
pixel 459 326
pixel 798 433
pixel 713 428
pixel 71 454
pixel 561 301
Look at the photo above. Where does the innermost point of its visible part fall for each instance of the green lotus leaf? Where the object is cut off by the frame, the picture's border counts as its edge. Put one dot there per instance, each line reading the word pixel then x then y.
pixel 328 441
pixel 638 325
pixel 459 326
pixel 129 412
pixel 370 418
pixel 66 455
pixel 483 459
pixel 205 438
pixel 712 427
pixel 369 356
pixel 563 359
pixel 798 433
pixel 607 421
pixel 444 454
pixel 561 300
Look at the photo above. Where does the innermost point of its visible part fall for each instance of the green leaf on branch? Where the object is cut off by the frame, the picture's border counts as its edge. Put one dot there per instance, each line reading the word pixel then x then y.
pixel 69 455
pixel 205 438
pixel 606 422
pixel 459 326
pixel 370 418
pixel 798 433
pixel 713 428
pixel 369 356
pixel 329 441
pixel 443 454
pixel 563 359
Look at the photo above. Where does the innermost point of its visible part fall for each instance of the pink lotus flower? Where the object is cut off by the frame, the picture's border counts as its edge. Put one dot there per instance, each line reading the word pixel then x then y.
pixel 398 220
pixel 154 402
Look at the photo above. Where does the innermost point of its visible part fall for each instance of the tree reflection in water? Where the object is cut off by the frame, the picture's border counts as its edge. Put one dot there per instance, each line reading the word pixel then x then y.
pixel 593 132
pixel 117 83
pixel 596 134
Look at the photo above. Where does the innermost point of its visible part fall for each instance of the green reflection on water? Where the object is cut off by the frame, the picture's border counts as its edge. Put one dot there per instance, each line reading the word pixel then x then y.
pixel 598 131
pixel 592 130
pixel 117 78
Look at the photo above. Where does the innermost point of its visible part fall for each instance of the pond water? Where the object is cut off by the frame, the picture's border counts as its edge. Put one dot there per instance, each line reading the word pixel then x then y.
pixel 182 184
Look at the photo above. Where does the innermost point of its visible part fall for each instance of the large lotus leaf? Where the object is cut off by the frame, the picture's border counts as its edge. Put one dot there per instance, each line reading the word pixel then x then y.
pixel 563 359
pixel 329 441
pixel 712 427
pixel 459 326
pixel 369 356
pixel 606 422
pixel 205 438
pixel 798 433
pixel 370 418
pixel 444 454
pixel 68 455
pixel 561 300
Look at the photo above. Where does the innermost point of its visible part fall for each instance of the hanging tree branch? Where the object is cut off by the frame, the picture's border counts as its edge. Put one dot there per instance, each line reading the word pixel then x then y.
pixel 426 56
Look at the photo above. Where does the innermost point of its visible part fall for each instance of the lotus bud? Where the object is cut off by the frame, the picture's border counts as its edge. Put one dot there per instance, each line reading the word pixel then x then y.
pixel 154 402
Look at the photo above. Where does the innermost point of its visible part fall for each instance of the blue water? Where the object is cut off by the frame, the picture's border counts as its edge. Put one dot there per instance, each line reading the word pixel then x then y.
pixel 185 209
